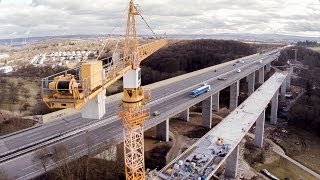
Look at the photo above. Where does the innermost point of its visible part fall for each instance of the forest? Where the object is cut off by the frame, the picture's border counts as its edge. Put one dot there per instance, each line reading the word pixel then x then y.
pixel 191 55
pixel 305 112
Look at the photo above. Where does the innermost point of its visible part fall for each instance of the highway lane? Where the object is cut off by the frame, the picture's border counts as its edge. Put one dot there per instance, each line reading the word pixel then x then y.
pixel 113 130
pixel 70 123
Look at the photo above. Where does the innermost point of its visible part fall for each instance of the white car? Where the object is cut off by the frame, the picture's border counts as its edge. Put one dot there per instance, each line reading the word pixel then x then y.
pixel 238 70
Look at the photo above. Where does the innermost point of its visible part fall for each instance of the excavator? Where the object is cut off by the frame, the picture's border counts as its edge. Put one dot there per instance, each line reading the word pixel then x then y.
pixel 78 87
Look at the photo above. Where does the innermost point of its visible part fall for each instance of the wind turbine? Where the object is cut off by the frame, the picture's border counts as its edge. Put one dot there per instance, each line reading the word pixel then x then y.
pixel 25 38
pixel 12 34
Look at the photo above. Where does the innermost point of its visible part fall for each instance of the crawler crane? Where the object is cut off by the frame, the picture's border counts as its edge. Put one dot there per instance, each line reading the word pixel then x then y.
pixel 76 87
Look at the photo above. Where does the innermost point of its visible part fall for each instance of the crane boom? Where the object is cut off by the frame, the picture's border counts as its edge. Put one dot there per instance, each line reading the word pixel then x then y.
pixel 76 91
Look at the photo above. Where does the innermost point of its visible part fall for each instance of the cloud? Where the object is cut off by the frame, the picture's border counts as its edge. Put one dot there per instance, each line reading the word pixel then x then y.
pixel 56 17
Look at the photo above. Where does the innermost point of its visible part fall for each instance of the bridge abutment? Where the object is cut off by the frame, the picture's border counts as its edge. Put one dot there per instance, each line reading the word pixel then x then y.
pixel 234 94
pixel 231 169
pixel 216 101
pixel 207 112
pixel 274 108
pixel 162 131
pixel 251 82
pixel 96 107
pixel 184 115
pixel 259 131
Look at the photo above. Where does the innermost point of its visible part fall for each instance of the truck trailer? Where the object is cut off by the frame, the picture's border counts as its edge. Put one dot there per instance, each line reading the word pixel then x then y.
pixel 204 88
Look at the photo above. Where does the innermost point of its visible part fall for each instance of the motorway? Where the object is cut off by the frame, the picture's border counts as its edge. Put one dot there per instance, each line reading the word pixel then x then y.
pixel 169 97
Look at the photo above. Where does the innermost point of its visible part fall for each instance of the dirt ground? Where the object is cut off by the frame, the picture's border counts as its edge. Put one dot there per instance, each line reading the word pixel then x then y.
pixel 302 146
pixel 10 123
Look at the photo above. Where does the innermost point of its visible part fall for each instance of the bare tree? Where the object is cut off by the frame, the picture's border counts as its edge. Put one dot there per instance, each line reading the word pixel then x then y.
pixel 43 155
pixel 60 158
pixel 89 143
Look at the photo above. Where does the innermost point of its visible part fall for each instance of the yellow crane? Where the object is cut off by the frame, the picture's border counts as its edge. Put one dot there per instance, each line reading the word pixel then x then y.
pixel 76 87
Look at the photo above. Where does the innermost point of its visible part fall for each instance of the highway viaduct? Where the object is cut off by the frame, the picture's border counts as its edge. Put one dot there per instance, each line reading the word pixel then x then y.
pixel 231 129
pixel 170 97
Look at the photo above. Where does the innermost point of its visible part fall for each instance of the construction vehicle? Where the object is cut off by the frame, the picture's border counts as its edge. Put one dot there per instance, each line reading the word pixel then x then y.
pixel 79 87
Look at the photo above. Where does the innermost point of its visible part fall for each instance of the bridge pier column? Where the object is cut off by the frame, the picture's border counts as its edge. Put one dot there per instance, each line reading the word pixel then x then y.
pixel 268 67
pixel 259 131
pixel 261 75
pixel 96 107
pixel 234 94
pixel 109 154
pixel 288 80
pixel 216 101
pixel 184 115
pixel 283 90
pixel 232 163
pixel 274 108
pixel 251 82
pixel 162 131
pixel 207 112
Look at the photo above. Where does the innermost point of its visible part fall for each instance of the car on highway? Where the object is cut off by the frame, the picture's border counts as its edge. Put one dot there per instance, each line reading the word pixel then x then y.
pixel 155 113
pixel 222 78
pixel 238 70
pixel 240 61
pixel 260 61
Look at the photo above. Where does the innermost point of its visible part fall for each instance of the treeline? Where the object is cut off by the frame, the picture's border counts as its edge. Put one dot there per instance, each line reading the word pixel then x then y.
pixel 37 72
pixel 307 43
pixel 305 112
pixel 191 55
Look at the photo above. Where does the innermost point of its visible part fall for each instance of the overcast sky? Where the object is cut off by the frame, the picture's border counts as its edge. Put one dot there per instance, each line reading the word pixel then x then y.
pixel 19 18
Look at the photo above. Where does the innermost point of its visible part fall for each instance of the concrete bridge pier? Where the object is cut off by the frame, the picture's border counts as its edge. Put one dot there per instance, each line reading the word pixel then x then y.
pixel 231 169
pixel 184 115
pixel 95 108
pixel 274 108
pixel 207 112
pixel 283 90
pixel 259 131
pixel 162 131
pixel 251 82
pixel 290 72
pixel 268 67
pixel 109 154
pixel 216 102
pixel 234 94
pixel 261 75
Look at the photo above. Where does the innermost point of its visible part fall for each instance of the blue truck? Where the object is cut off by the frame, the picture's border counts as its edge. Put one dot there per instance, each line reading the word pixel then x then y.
pixel 204 88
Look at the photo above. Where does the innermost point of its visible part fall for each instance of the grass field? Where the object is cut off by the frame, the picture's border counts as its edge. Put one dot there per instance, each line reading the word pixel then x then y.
pixel 282 169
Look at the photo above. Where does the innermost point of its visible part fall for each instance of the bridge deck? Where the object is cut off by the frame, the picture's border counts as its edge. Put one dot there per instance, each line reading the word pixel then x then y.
pixel 232 129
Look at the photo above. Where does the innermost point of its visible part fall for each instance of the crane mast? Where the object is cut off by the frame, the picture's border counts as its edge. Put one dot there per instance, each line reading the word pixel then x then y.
pixel 133 112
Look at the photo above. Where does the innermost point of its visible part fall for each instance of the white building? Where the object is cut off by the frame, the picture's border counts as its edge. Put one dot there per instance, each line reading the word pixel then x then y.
pixel 2 56
pixel 6 69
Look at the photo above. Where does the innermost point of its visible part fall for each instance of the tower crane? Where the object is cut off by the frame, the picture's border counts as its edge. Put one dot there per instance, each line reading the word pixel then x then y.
pixel 76 87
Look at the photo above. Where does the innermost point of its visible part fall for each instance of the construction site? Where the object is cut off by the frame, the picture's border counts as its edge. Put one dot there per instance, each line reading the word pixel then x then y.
pixel 120 108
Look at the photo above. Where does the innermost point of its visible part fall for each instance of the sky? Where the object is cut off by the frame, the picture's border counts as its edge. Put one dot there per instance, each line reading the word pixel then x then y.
pixel 20 18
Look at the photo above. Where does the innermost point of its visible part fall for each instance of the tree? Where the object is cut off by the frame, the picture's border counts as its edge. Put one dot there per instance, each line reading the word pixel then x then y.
pixel 43 155
pixel 13 92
